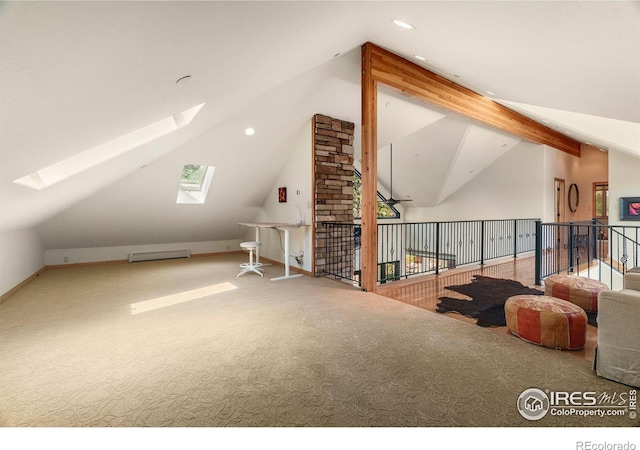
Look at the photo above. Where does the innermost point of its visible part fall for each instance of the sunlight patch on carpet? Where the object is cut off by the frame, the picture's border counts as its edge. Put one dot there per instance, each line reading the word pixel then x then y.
pixel 180 297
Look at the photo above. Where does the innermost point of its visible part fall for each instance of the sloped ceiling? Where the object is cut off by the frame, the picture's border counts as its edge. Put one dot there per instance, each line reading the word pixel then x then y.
pixel 435 152
pixel 74 75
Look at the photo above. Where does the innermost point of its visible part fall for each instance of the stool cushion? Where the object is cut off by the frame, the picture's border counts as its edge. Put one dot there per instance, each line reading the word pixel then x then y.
pixel 547 321
pixel 249 244
pixel 580 291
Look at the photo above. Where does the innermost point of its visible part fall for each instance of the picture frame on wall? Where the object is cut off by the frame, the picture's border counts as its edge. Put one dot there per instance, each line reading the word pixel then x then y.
pixel 282 194
pixel 630 208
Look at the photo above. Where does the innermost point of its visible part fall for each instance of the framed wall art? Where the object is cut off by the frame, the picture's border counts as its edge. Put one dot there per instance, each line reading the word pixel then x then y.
pixel 573 197
pixel 282 194
pixel 630 208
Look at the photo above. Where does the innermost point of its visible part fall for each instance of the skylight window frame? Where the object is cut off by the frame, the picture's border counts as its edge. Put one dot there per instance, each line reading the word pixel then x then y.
pixel 188 186
pixel 189 195
pixel 81 162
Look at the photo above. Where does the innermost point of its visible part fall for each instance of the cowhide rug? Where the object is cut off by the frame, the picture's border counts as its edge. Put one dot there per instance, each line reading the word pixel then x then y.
pixel 488 296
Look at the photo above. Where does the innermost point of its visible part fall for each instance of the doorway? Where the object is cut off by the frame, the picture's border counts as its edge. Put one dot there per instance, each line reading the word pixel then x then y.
pixel 601 206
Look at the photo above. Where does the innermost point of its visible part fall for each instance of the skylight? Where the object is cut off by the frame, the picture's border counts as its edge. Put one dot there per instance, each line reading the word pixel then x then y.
pixel 194 183
pixel 193 177
pixel 64 169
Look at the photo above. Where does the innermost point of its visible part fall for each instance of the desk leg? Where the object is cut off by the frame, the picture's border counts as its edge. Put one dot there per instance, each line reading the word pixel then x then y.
pixel 286 252
pixel 258 247
pixel 286 259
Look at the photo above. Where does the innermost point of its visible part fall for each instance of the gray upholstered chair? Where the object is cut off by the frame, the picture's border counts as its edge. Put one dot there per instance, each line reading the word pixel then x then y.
pixel 632 279
pixel 618 348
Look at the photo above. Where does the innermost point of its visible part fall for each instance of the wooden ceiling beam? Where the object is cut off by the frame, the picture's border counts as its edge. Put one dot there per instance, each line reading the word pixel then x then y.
pixel 414 80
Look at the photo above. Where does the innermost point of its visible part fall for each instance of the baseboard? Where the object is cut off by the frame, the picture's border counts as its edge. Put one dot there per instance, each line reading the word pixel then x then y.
pixel 84 264
pixel 230 252
pixel 122 261
pixel 12 291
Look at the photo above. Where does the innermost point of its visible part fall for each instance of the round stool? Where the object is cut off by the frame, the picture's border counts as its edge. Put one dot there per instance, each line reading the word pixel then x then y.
pixel 580 291
pixel 250 266
pixel 547 321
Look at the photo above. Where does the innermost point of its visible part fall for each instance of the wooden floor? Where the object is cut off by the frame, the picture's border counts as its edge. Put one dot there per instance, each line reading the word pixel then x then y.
pixel 425 291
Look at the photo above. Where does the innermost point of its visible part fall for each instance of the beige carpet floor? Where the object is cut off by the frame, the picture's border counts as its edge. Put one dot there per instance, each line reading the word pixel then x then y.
pixel 186 343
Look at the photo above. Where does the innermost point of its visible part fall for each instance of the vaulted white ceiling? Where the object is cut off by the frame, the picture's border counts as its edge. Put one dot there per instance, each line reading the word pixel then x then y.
pixel 74 75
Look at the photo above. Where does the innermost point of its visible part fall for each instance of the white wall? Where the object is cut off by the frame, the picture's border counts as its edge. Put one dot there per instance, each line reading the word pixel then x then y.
pixel 594 167
pixel 548 189
pixel 21 255
pixel 55 257
pixel 512 187
pixel 296 177
pixel 624 181
pixel 590 167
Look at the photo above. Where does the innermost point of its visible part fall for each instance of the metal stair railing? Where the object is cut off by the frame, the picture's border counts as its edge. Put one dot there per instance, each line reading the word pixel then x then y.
pixel 586 247
pixel 410 249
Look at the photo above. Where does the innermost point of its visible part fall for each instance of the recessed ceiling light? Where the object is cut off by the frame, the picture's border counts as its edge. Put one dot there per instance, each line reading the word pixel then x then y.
pixel 421 58
pixel 588 143
pixel 403 24
pixel 569 133
pixel 249 131
pixel 545 120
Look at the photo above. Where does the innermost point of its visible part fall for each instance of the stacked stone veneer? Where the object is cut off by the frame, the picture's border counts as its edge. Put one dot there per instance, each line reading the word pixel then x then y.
pixel 333 193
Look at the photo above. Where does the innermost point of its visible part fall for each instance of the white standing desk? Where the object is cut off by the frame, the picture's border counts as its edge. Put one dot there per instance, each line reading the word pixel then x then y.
pixel 287 227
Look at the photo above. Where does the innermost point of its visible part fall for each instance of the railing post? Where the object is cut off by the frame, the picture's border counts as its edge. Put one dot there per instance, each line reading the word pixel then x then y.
pixel 482 243
pixel 596 231
pixel 437 247
pixel 637 249
pixel 571 243
pixel 538 276
pixel 515 238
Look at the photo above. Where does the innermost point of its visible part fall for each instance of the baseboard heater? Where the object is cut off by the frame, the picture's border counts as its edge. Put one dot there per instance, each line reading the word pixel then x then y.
pixel 152 256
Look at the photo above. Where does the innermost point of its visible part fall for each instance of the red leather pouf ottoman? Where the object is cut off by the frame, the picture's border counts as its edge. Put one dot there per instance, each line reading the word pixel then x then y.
pixel 547 321
pixel 580 291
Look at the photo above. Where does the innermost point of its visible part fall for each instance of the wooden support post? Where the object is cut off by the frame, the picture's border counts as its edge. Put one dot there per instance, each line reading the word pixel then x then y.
pixel 381 66
pixel 369 198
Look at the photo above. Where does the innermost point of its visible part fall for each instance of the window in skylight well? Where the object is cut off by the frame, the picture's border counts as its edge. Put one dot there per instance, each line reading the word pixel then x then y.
pixel 193 177
pixel 384 211
pixel 194 183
